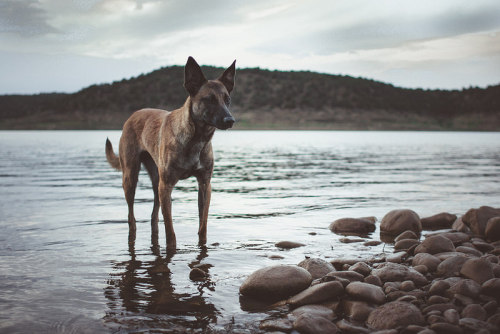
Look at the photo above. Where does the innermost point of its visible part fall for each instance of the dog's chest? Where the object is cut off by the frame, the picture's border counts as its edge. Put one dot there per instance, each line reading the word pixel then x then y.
pixel 191 159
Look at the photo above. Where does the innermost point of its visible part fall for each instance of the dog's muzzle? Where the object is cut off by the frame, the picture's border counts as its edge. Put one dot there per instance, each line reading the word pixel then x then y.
pixel 227 122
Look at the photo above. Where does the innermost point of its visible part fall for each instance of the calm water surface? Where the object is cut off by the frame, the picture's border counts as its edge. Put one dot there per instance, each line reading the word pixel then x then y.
pixel 66 264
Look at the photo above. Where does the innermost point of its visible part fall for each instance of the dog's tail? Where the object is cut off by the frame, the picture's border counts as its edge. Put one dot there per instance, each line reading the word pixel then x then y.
pixel 113 160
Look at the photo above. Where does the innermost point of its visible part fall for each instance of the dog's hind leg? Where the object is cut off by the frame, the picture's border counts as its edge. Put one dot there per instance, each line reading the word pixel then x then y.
pixel 155 180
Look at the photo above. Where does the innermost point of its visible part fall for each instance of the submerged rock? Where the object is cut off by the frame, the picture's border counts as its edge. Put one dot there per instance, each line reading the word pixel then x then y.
pixel 353 226
pixel 289 244
pixel 276 282
pixel 397 221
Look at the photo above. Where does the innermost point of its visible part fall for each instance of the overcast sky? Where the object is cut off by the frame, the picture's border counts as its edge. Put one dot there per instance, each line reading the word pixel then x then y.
pixel 65 45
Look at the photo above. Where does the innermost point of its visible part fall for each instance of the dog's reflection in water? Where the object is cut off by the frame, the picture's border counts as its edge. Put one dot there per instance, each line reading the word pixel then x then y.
pixel 142 293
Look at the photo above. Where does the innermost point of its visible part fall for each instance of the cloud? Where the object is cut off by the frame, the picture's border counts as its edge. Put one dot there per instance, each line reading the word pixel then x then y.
pixel 24 18
pixel 357 37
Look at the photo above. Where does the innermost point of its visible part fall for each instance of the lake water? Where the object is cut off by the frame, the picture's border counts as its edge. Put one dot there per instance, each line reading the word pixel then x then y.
pixel 66 264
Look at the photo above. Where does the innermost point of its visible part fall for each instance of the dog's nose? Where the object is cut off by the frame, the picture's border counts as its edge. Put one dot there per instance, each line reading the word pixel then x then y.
pixel 228 121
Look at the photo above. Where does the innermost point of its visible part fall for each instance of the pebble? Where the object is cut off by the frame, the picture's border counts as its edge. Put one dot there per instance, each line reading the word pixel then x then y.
pixel 351 276
pixel 360 226
pixel 317 310
pixel 405 244
pixel 407 235
pixel 289 244
pixel 362 268
pixel 491 287
pixel 357 310
pixel 398 272
pixel 428 260
pixel 451 316
pixel 475 311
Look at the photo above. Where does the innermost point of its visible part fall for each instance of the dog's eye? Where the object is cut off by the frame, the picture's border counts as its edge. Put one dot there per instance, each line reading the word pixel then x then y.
pixel 227 100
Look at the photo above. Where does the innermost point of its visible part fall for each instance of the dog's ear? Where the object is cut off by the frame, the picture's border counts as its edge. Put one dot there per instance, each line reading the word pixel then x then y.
pixel 227 78
pixel 193 77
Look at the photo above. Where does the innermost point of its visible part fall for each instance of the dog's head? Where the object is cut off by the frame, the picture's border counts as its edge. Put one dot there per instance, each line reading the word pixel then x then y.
pixel 210 98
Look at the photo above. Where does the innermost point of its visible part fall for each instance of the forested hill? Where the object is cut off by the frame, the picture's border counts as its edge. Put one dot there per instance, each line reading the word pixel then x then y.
pixel 265 99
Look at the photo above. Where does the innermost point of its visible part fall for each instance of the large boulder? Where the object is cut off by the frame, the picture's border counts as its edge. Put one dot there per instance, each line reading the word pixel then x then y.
pixel 437 222
pixel 394 315
pixel 359 226
pixel 397 221
pixel 276 282
pixel 477 219
pixel 316 267
pixel 435 244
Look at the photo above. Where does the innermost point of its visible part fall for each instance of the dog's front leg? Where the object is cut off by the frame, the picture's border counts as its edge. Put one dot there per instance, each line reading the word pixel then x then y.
pixel 204 193
pixel 165 193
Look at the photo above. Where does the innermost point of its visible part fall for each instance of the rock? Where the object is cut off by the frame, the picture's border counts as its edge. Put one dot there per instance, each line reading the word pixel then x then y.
pixel 445 328
pixel 398 257
pixel 435 299
pixel 339 263
pixel 495 320
pixel 407 286
pixel 362 268
pixel 196 274
pixel 437 222
pixel 472 325
pixel 428 260
pixel 359 226
pixel 372 279
pixel 351 276
pixel 451 316
pixel 356 310
pixel 492 230
pixel 407 235
pixel 372 243
pixel 282 325
pixel 469 250
pixel 397 221
pixel 405 244
pixel 421 269
pixel 475 311
pixel 491 287
pixel 288 244
pixel 459 226
pixel 316 310
pixel 346 327
pixel 477 219
pixel 316 267
pixel 439 287
pixel 276 282
pixel 435 244
pixel 480 270
pixel 466 287
pixel 438 307
pixel 457 238
pixel 451 266
pixel 391 272
pixel 317 294
pixel 366 292
pixel 313 324
pixel 394 315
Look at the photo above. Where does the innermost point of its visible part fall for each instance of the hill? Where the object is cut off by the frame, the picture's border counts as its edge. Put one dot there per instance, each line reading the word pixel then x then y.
pixel 265 99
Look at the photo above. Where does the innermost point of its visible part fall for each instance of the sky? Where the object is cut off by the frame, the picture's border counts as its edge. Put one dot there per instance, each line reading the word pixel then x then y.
pixel 66 45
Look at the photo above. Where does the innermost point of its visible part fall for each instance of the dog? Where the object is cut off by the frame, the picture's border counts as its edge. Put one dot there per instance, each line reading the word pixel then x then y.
pixel 175 145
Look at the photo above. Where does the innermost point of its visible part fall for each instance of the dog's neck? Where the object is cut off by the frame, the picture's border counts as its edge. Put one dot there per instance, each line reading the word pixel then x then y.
pixel 200 130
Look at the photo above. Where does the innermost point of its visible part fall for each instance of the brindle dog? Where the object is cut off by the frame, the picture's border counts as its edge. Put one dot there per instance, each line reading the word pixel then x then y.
pixel 174 146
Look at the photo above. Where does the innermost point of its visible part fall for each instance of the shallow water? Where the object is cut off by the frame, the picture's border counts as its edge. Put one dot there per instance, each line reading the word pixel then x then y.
pixel 66 264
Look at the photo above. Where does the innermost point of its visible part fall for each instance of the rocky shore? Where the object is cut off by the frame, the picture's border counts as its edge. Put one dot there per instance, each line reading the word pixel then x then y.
pixel 445 282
